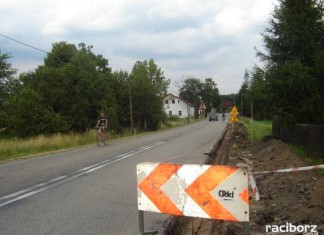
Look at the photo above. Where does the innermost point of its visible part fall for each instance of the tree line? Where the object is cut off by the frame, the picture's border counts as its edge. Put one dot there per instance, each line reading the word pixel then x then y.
pixel 196 91
pixel 67 93
pixel 289 87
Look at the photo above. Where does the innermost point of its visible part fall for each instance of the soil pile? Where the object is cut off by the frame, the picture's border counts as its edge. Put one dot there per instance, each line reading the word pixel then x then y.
pixel 296 198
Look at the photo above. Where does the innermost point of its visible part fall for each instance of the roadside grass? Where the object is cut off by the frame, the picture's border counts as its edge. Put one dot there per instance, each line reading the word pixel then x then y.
pixel 310 159
pixel 175 121
pixel 15 148
pixel 260 129
pixel 257 129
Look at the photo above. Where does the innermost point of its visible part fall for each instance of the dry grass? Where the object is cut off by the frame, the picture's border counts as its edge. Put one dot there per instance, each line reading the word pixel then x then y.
pixel 16 148
pixel 22 148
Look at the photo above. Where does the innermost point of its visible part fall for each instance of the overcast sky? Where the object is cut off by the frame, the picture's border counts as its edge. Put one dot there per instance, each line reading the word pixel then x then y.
pixel 186 38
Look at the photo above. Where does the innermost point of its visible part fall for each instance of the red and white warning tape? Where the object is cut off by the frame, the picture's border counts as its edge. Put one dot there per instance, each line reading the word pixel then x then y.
pixel 254 187
pixel 295 169
pixel 304 168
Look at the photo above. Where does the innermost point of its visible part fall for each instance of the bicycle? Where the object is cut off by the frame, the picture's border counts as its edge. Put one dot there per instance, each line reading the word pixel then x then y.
pixel 102 136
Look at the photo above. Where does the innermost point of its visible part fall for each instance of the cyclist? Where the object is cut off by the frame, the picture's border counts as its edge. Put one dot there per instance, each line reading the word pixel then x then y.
pixel 102 123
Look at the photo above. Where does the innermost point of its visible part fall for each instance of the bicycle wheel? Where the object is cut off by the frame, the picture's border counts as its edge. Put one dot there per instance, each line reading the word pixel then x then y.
pixel 104 138
pixel 100 140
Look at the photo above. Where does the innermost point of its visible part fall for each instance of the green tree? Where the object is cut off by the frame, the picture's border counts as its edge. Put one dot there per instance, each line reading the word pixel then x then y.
pixel 121 87
pixel 259 94
pixel 26 114
pixel 76 84
pixel 7 82
pixel 195 91
pixel 210 94
pixel 149 87
pixel 191 91
pixel 294 41
pixel 244 96
pixel 8 85
pixel 60 54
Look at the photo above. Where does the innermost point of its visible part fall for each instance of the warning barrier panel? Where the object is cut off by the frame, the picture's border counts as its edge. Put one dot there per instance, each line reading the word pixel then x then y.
pixel 204 191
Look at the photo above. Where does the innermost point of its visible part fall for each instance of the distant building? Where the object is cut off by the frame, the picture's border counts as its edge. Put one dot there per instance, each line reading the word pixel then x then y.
pixel 174 105
pixel 202 108
pixel 226 104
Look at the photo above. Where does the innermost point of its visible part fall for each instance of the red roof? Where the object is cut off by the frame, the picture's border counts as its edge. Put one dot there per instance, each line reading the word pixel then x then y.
pixel 202 106
pixel 226 104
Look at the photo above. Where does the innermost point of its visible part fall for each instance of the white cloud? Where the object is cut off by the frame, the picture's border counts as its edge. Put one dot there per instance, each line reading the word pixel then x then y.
pixel 210 38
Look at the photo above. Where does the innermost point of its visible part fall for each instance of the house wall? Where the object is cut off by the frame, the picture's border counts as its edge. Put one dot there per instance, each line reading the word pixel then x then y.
pixel 177 106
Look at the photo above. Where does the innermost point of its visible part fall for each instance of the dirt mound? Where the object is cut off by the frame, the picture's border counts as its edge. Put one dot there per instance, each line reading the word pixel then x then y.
pixel 295 198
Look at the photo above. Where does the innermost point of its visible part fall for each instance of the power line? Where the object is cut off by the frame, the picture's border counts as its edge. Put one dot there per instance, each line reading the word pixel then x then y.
pixel 23 43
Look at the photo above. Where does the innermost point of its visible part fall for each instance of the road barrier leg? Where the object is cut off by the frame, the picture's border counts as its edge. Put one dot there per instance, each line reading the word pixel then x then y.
pixel 141 222
pixel 141 225
pixel 246 228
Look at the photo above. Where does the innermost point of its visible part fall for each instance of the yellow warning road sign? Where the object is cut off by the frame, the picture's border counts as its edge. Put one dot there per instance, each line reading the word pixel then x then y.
pixel 234 111
pixel 234 119
pixel 234 114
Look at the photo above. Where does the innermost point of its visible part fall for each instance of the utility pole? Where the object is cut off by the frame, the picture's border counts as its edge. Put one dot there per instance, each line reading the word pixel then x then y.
pixel 241 113
pixel 130 105
pixel 188 108
pixel 252 110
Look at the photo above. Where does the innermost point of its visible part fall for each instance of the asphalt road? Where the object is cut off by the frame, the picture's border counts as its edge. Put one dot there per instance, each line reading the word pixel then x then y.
pixel 94 190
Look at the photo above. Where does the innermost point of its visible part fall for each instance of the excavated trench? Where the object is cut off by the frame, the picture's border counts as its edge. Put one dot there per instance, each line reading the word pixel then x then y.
pixel 296 198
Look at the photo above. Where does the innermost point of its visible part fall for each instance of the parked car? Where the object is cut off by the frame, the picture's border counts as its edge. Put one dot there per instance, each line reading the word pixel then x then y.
pixel 213 117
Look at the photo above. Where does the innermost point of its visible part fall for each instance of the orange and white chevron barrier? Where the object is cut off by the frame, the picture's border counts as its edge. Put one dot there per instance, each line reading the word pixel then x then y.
pixel 204 191
pixel 295 169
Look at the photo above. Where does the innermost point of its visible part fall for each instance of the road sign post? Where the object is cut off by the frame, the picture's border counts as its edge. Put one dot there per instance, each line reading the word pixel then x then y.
pixel 203 191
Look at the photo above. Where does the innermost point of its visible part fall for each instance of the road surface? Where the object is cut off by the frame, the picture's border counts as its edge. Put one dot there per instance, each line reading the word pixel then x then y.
pixel 94 190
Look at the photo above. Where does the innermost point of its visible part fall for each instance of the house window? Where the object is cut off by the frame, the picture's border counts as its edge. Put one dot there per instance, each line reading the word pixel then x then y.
pixel 180 113
pixel 173 101
pixel 170 113
pixel 166 101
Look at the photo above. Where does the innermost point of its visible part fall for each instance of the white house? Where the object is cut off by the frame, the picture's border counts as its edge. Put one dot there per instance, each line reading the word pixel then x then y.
pixel 176 106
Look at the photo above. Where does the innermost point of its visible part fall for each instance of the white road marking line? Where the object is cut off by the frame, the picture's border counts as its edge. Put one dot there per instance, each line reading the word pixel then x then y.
pixel 63 179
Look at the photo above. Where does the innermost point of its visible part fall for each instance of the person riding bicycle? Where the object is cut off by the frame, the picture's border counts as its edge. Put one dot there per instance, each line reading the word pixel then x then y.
pixel 102 122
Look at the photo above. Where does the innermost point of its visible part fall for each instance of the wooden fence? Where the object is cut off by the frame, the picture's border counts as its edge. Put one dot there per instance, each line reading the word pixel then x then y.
pixel 310 136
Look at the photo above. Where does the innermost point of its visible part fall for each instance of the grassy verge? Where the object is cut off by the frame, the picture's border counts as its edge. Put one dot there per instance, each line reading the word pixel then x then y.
pixel 257 129
pixel 260 129
pixel 17 148
pixel 174 121
pixel 311 160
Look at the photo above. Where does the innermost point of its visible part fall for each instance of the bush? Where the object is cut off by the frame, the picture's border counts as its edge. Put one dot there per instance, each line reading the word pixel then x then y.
pixel 26 115
pixel 173 118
